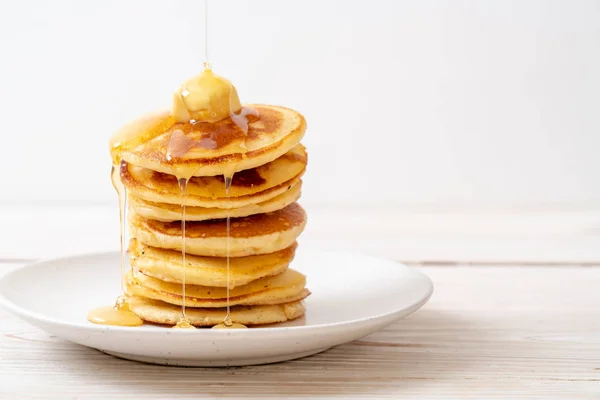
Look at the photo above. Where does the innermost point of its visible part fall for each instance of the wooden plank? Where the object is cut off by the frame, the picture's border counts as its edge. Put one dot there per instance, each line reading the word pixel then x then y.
pixel 486 333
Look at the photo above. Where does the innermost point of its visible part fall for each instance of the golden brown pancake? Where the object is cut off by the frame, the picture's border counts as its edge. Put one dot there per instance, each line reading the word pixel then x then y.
pixel 211 149
pixel 207 271
pixel 249 186
pixel 255 234
pixel 283 288
pixel 172 212
pixel 159 312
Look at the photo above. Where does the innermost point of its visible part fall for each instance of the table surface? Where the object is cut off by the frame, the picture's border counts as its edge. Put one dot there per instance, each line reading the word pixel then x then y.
pixel 488 332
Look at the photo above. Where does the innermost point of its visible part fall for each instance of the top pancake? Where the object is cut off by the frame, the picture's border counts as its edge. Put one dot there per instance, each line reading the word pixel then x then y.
pixel 202 149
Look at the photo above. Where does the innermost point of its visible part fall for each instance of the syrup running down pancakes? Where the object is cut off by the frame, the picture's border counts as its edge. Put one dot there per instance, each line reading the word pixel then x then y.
pixel 208 193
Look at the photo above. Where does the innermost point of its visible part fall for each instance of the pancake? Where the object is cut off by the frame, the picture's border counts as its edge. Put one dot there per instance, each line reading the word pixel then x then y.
pixel 172 212
pixel 211 149
pixel 255 234
pixel 249 186
pixel 160 312
pixel 283 288
pixel 207 271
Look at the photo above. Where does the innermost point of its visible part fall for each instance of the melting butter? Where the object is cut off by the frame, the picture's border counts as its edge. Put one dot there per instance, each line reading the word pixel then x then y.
pixel 206 97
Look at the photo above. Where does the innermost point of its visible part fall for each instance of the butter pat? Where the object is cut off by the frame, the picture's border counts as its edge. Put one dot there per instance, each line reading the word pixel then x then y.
pixel 206 97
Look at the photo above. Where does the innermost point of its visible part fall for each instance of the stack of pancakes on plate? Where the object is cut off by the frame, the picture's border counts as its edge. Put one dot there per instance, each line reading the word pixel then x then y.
pixel 268 161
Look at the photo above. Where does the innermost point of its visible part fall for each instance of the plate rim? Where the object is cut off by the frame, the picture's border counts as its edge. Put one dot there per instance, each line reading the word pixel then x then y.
pixel 24 313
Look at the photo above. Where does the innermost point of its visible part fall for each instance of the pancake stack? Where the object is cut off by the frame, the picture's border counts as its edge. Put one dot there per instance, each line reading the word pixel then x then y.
pixel 267 162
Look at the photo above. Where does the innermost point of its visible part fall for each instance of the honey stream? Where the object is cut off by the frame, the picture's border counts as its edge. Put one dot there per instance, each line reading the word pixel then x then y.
pixel 120 313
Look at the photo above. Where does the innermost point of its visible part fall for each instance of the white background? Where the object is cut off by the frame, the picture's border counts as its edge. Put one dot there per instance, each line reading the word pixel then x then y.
pixel 471 103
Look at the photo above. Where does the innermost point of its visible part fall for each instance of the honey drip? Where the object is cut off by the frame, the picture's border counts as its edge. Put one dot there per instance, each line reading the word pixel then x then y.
pixel 122 194
pixel 228 179
pixel 206 32
pixel 227 322
pixel 120 314
pixel 184 322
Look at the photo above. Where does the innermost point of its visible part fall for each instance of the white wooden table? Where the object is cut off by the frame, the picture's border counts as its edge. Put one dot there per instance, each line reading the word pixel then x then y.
pixel 488 332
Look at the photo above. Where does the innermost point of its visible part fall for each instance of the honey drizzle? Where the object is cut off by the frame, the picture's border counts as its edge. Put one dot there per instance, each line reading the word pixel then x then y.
pixel 206 33
pixel 184 322
pixel 183 188
pixel 122 194
pixel 227 321
pixel 120 313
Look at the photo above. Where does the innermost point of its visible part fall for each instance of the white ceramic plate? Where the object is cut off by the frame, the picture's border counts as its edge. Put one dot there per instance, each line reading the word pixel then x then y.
pixel 352 296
